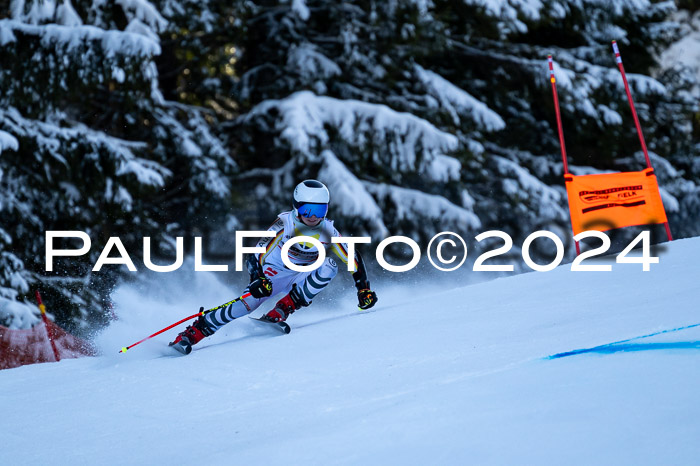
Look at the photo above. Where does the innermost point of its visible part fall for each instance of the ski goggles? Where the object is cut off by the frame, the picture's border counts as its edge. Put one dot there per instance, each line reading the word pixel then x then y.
pixel 312 210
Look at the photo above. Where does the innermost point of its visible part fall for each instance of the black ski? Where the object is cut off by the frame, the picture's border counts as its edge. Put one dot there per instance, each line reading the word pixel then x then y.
pixel 182 346
pixel 281 326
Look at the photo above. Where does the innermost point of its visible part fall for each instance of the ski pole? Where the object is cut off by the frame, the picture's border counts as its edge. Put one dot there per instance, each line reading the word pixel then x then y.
pixel 200 313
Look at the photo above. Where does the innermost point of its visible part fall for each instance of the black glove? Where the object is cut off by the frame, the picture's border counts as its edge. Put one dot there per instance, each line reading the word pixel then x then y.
pixel 261 287
pixel 367 298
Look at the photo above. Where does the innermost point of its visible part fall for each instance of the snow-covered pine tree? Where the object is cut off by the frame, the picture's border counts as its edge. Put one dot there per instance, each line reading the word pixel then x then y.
pixel 408 100
pixel 90 143
pixel 334 85
pixel 498 50
pixel 421 115
pixel 679 70
pixel 598 125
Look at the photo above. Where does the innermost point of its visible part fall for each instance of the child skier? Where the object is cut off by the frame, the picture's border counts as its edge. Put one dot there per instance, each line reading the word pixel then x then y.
pixel 269 275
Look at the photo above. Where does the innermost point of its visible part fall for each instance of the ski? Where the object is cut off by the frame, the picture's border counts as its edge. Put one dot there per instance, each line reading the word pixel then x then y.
pixel 281 326
pixel 182 346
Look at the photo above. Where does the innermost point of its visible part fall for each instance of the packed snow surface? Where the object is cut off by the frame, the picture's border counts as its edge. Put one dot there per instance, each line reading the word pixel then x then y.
pixel 429 376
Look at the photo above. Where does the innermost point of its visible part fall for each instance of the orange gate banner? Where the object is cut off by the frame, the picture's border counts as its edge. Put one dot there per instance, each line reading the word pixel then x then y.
pixel 614 200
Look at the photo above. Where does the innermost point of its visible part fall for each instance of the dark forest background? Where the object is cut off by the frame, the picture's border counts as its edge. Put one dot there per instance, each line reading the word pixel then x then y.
pixel 184 118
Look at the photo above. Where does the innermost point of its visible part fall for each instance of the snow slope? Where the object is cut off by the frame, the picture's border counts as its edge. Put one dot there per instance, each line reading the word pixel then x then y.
pixel 461 377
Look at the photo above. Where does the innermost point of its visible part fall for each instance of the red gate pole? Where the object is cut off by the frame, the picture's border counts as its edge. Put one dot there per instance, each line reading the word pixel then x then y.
pixel 618 59
pixel 553 80
pixel 42 308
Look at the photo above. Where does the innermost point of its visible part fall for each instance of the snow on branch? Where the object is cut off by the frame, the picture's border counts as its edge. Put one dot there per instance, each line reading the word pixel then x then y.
pixel 455 100
pixel 350 198
pixel 644 84
pixel 17 315
pixel 67 16
pixel 584 80
pixel 53 138
pixel 518 182
pixel 195 140
pixel 411 204
pixel 509 11
pixel 622 7
pixel 442 168
pixel 306 60
pixel 144 12
pixel 509 8
pixel 13 277
pixel 8 141
pixel 410 143
pixel 112 41
pixel 300 9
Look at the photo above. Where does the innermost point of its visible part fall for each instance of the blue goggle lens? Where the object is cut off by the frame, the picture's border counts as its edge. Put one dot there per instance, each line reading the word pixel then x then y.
pixel 313 210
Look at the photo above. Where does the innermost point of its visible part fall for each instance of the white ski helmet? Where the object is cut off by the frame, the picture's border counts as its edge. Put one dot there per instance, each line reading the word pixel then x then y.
pixel 311 199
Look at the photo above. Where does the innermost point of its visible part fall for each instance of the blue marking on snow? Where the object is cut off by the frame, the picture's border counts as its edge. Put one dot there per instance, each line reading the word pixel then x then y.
pixel 618 346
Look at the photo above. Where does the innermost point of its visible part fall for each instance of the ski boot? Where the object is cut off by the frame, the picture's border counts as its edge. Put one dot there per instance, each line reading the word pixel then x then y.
pixel 285 307
pixel 192 335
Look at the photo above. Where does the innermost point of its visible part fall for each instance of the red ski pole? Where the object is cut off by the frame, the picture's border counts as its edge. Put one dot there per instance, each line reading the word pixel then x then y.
pixel 200 313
